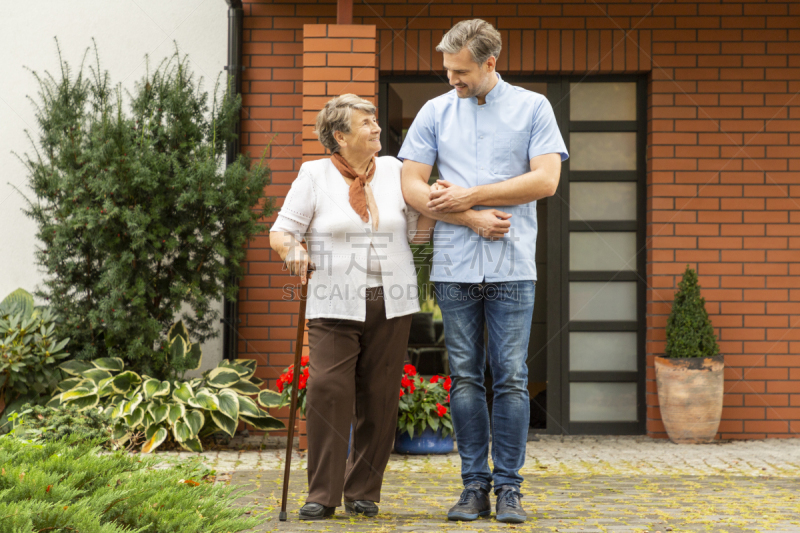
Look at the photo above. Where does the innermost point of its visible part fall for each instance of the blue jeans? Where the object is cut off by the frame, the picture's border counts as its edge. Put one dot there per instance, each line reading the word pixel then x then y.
pixel 507 309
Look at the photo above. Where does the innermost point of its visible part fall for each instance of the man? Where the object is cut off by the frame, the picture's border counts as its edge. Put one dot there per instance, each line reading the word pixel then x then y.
pixel 498 150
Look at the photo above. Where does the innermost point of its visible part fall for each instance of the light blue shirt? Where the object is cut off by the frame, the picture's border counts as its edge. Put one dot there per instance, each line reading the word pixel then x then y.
pixel 482 144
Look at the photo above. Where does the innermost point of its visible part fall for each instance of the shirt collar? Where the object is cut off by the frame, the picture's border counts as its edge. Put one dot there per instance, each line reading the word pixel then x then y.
pixel 496 91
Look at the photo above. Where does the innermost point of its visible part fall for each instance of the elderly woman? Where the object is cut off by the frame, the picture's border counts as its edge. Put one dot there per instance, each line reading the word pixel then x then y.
pixel 349 210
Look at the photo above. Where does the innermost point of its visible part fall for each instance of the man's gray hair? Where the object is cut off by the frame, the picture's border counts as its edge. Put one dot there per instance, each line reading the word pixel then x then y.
pixel 336 116
pixel 478 36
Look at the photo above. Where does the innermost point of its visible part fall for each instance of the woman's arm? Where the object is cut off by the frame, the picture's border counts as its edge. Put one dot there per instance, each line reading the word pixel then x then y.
pixel 424 231
pixel 292 253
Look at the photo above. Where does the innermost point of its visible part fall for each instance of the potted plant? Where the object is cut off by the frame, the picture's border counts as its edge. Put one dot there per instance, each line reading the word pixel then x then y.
pixel 690 376
pixel 424 424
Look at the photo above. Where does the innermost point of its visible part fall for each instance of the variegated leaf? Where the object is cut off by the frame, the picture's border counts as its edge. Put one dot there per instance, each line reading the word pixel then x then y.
pixel 158 437
pixel 224 422
pixel 229 403
pixel 183 392
pixel 222 377
pixel 269 398
pixel 248 407
pixel 176 410
pixel 195 421
pixel 244 387
pixel 113 364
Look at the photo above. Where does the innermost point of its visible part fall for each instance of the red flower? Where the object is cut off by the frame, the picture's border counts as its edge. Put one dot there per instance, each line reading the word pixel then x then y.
pixel 435 379
pixel 280 385
pixel 305 373
pixel 410 370
pixel 411 388
pixel 447 384
pixel 448 398
pixel 441 410
pixel 302 383
pixel 401 393
pixel 405 382
pixel 421 379
pixel 304 360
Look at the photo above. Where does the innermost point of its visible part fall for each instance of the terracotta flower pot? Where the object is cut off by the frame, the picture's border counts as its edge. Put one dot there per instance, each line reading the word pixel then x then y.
pixel 690 395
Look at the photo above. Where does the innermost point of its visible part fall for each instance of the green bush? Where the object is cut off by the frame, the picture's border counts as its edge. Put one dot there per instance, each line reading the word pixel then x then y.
pixel 689 330
pixel 136 211
pixel 187 410
pixel 30 351
pixel 69 486
pixel 49 424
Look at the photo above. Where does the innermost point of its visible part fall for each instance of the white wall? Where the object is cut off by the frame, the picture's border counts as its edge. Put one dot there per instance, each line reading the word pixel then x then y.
pixel 125 30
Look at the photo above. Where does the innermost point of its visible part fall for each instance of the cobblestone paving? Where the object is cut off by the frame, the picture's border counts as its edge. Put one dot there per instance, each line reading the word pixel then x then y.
pixel 581 455
pixel 572 484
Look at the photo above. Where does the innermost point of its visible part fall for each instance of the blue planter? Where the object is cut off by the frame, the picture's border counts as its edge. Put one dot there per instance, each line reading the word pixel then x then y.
pixel 427 443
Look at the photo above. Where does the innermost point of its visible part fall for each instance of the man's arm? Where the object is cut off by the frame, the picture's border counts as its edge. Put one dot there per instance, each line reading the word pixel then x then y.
pixel 489 223
pixel 540 182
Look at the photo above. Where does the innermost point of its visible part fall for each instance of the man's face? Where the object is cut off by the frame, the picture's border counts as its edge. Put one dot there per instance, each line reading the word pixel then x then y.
pixel 469 78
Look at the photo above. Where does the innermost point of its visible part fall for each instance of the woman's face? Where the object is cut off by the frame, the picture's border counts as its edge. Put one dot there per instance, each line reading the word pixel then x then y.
pixel 364 138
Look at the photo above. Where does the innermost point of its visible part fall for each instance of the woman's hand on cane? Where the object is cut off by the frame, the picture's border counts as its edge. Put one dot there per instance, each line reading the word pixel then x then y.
pixel 299 263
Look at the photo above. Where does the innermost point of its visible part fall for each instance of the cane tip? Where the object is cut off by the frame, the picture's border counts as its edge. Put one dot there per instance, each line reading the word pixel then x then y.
pixel 282 516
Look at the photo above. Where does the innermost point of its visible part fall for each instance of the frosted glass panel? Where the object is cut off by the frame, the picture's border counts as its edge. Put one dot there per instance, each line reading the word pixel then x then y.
pixel 603 250
pixel 602 402
pixel 602 300
pixel 603 200
pixel 615 150
pixel 602 351
pixel 602 101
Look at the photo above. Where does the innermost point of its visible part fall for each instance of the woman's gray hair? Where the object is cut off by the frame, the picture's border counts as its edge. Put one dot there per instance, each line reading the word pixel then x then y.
pixel 336 116
pixel 478 36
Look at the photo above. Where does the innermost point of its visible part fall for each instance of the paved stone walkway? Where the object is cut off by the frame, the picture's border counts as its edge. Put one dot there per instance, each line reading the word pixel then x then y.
pixel 572 484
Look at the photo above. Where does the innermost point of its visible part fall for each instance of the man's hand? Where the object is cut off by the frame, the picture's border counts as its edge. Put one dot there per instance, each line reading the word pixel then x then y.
pixel 449 198
pixel 490 223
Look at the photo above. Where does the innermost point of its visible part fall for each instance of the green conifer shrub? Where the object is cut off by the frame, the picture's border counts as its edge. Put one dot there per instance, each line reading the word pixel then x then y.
pixel 689 330
pixel 70 486
pixel 137 214
pixel 49 424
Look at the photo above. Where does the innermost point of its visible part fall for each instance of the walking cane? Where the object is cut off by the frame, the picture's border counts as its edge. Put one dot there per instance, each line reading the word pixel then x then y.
pixel 298 349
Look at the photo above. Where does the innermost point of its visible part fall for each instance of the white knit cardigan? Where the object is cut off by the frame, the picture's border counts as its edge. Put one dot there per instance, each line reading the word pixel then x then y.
pixel 317 209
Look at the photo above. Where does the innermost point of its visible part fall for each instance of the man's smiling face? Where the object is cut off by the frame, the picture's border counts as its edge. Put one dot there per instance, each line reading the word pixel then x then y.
pixel 469 78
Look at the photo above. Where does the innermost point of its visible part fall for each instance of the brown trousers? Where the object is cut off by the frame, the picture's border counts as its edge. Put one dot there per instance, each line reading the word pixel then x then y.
pixel 354 378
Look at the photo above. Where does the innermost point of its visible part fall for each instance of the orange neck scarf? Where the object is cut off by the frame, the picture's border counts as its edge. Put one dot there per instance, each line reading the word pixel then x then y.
pixel 361 198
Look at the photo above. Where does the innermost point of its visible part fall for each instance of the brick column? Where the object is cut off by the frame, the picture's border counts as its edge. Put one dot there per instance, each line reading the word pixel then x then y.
pixel 337 59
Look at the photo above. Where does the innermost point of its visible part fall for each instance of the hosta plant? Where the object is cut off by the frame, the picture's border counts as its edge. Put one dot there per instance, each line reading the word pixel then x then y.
pixel 186 409
pixel 30 350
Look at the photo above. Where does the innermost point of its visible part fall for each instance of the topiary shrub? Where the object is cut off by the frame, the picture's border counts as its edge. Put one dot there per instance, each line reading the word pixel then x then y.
pixel 136 212
pixel 689 330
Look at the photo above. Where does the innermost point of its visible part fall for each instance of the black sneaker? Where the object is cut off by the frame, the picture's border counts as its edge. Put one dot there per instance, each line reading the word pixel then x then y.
pixel 474 502
pixel 315 511
pixel 365 507
pixel 509 507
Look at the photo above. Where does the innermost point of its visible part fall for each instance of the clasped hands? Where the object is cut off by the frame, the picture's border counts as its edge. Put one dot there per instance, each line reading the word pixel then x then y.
pixel 446 197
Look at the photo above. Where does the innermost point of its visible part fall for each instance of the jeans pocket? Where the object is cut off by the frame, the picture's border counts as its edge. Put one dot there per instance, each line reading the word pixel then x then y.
pixel 510 153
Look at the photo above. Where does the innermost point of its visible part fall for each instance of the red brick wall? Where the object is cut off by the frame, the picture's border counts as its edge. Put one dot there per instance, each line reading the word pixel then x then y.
pixel 723 160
